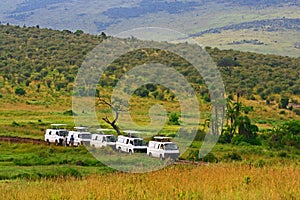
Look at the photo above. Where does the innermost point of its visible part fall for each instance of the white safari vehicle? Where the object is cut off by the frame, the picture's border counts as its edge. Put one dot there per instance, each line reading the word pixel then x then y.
pixel 162 147
pixel 56 134
pixel 103 140
pixel 80 136
pixel 131 144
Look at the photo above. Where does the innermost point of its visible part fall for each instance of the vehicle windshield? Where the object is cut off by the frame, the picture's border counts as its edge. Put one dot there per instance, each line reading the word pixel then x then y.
pixel 63 133
pixel 110 139
pixel 171 147
pixel 139 142
pixel 85 136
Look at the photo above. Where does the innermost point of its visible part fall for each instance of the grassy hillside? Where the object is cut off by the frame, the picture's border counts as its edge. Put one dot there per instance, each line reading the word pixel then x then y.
pixel 48 60
pixel 38 68
pixel 263 36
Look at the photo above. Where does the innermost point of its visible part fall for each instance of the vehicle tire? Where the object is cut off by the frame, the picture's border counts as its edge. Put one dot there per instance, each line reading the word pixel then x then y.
pixel 150 154
pixel 130 152
pixel 48 143
pixel 56 143
pixel 119 150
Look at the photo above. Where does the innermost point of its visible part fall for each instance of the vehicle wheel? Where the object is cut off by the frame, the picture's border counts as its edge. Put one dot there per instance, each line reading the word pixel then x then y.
pixel 47 141
pixel 119 150
pixel 130 152
pixel 150 154
pixel 56 142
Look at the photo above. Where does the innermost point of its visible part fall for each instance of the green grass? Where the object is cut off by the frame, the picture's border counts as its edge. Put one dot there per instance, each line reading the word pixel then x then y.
pixel 38 161
pixel 42 161
pixel 276 42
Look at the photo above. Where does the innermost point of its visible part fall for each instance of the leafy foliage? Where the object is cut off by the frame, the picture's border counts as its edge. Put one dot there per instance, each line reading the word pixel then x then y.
pixel 48 60
pixel 286 134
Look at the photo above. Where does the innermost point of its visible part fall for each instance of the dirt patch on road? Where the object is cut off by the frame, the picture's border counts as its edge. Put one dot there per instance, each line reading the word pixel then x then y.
pixel 15 139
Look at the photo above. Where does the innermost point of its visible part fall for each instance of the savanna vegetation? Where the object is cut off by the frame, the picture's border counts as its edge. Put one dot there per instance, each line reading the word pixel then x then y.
pixel 258 150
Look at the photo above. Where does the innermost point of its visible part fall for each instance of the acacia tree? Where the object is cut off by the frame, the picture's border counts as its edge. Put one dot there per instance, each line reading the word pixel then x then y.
pixel 116 109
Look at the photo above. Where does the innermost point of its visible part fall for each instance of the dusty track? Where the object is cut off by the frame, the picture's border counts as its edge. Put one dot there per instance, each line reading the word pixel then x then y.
pixel 14 139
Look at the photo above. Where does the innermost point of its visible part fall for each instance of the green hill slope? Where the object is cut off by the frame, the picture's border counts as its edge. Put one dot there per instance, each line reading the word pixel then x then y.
pixel 49 60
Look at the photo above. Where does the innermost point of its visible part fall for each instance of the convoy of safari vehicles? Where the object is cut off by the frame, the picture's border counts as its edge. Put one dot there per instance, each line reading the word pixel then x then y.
pixel 159 147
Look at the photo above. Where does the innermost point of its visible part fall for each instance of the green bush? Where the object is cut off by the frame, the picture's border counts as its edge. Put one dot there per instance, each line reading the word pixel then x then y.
pixel 193 155
pixel 173 119
pixel 233 156
pixel 71 172
pixel 260 163
pixel 69 113
pixel 210 157
pixel 20 91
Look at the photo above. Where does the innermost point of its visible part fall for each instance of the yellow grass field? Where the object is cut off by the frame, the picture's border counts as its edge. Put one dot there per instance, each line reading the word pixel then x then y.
pixel 212 181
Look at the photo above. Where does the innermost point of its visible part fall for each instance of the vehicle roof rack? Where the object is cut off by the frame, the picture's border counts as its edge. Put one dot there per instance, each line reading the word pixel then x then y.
pixel 80 127
pixel 162 138
pixel 58 124
pixel 132 132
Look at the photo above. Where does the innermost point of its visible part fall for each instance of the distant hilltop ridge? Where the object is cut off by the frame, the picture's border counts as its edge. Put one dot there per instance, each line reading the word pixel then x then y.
pixel 269 25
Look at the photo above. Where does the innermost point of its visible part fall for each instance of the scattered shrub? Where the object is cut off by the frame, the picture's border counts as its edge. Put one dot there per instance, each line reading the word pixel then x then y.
pixel 69 113
pixel 20 91
pixel 173 119
pixel 210 157
pixel 71 172
pixel 247 180
pixel 233 156
pixel 260 163
pixel 282 154
pixel 14 123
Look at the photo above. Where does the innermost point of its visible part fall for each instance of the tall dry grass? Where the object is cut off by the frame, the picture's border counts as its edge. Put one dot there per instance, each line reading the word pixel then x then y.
pixel 214 181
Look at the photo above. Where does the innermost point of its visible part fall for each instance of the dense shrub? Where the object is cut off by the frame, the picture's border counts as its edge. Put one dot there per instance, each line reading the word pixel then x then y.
pixel 20 91
pixel 233 156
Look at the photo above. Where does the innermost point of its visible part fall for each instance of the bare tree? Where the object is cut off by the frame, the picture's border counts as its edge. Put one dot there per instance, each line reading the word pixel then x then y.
pixel 112 123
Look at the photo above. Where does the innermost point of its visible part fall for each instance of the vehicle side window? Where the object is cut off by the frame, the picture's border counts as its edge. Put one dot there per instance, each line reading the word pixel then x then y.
pixel 96 138
pixel 56 132
pixel 131 142
pixel 50 133
pixel 127 141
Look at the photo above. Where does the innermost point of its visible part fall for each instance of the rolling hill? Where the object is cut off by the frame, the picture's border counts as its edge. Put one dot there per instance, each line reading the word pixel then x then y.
pixel 189 17
pixel 44 61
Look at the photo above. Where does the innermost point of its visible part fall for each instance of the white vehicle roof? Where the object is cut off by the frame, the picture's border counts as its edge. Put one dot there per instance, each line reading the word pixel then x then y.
pixel 131 137
pixel 58 124
pixel 162 137
pixel 81 128
pixel 131 131
pixel 99 134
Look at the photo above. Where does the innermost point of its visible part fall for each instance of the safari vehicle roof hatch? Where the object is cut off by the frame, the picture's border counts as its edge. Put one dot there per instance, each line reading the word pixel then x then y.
pixel 81 128
pixel 131 133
